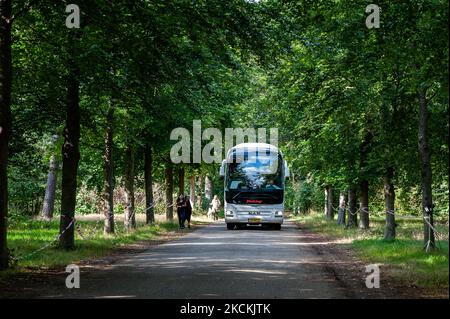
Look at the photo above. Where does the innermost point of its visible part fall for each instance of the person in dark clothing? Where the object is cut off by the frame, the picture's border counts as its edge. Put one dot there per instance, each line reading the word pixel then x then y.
pixel 188 211
pixel 181 210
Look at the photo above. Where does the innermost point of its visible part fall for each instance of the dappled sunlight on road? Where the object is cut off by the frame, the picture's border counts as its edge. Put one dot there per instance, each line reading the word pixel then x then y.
pixel 214 262
pixel 268 243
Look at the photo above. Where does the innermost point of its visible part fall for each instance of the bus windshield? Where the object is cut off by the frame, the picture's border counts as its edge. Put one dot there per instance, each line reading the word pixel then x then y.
pixel 256 172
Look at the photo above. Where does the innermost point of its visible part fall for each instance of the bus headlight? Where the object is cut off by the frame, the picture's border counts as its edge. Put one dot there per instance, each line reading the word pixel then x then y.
pixel 279 213
pixel 229 213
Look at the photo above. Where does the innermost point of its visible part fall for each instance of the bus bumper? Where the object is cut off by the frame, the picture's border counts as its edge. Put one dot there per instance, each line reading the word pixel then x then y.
pixel 252 219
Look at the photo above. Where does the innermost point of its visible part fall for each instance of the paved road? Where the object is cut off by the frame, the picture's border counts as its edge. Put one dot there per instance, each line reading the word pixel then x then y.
pixel 213 262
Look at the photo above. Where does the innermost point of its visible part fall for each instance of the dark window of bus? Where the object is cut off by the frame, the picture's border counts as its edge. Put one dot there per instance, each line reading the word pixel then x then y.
pixel 256 178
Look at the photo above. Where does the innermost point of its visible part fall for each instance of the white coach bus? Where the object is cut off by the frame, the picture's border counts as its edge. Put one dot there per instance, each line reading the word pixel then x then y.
pixel 254 179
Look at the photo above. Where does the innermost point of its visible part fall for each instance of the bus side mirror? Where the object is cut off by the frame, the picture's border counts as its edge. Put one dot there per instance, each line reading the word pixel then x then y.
pixel 287 174
pixel 222 170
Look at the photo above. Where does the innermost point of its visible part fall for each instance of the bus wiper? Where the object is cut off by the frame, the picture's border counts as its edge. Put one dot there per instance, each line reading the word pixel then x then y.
pixel 236 195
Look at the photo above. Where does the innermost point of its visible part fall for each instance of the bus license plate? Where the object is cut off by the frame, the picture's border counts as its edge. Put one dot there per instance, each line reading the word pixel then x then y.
pixel 254 220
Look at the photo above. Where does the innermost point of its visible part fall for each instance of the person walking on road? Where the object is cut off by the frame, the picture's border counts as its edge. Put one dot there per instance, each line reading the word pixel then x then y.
pixel 181 210
pixel 213 212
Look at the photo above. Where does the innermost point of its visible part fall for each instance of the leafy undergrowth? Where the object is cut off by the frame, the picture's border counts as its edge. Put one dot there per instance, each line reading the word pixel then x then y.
pixel 27 236
pixel 405 257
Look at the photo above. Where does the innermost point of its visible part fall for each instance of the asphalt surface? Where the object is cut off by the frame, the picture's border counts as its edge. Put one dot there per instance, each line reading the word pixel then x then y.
pixel 213 262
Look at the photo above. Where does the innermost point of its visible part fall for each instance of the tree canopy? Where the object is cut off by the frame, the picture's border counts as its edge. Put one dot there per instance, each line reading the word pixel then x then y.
pixel 359 110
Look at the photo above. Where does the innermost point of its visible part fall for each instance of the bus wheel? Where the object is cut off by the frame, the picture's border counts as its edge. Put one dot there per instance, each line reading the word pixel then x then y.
pixel 230 226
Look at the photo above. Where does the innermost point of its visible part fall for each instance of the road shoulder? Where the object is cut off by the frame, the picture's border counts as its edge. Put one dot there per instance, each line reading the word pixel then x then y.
pixel 350 271
pixel 34 282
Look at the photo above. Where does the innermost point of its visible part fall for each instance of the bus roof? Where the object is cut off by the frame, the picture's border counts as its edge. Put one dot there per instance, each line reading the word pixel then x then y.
pixel 254 146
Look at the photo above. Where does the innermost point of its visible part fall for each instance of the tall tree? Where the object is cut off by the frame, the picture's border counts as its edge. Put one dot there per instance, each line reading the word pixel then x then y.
pixel 389 198
pixel 199 203
pixel 108 171
pixel 341 210
pixel 169 189
pixel 208 189
pixel 50 190
pixel 148 176
pixel 364 182
pixel 192 190
pixel 70 150
pixel 352 217
pixel 130 213
pixel 427 197
pixel 181 180
pixel 5 122
pixel 329 212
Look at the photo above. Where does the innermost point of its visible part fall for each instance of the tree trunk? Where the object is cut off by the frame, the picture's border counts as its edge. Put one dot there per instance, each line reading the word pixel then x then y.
pixel 364 205
pixel 341 211
pixel 364 183
pixel 158 194
pixel 208 189
pixel 181 180
pixel 5 123
pixel 148 176
pixel 352 217
pixel 329 212
pixel 389 200
pixel 199 193
pixel 71 157
pixel 169 190
pixel 192 190
pixel 426 173
pixel 50 190
pixel 130 216
pixel 108 171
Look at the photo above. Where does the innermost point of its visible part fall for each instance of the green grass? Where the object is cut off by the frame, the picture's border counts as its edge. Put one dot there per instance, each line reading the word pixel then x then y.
pixel 411 264
pixel 408 261
pixel 26 236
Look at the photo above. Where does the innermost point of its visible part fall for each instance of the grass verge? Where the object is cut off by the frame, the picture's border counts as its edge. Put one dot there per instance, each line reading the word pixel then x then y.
pixel 27 236
pixel 406 260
